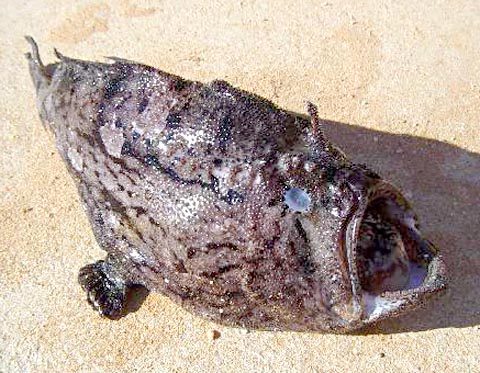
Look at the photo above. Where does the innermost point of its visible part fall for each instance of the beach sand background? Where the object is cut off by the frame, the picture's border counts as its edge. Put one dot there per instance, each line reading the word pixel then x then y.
pixel 399 86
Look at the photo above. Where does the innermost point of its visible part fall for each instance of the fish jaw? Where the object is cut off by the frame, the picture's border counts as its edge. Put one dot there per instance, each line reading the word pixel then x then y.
pixel 424 273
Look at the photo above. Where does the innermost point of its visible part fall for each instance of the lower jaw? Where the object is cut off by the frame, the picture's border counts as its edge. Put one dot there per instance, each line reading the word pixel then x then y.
pixel 432 281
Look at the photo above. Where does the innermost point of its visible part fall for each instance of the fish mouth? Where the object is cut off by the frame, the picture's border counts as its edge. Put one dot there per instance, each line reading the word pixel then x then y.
pixel 392 267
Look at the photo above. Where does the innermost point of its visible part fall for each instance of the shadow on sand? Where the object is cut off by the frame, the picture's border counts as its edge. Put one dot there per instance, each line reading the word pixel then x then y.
pixel 443 183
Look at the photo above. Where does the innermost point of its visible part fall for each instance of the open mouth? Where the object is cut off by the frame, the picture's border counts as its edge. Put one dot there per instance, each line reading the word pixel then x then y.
pixel 391 259
pixel 387 257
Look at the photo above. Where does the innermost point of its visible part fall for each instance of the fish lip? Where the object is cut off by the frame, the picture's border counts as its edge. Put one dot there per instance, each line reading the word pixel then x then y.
pixel 401 301
pixel 396 302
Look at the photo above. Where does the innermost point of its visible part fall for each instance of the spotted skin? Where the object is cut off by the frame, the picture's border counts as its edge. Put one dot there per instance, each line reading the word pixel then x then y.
pixel 184 185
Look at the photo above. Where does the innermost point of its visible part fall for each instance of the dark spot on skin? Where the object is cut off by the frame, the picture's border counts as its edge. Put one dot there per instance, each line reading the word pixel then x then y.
pixel 173 121
pixel 139 210
pixel 143 105
pixel 152 160
pixel 325 200
pixel 100 114
pixel 272 203
pixel 180 84
pixel 223 269
pixel 303 253
pixel 330 173
pixel 118 123
pixel 99 219
pixel 214 184
pixel 224 133
pixel 112 88
pixel 169 136
pixel 217 246
pixel 180 267
pixel 270 244
pixel 126 148
pixel 300 230
pixel 173 175
pixel 233 197
pixel 191 252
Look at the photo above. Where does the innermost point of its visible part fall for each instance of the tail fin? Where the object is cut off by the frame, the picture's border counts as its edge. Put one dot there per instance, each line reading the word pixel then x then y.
pixel 41 78
pixel 35 57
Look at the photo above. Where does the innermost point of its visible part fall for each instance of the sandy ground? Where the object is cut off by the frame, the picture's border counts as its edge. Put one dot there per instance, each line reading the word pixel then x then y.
pixel 399 83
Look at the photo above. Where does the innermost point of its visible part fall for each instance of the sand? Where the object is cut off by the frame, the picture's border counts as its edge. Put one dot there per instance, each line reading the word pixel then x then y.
pixel 398 83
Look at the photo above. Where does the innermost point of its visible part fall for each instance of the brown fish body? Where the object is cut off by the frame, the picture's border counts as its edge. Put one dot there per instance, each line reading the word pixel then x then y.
pixel 237 210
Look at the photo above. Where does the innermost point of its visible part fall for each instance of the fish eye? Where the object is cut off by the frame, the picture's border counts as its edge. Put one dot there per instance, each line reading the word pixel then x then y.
pixel 297 199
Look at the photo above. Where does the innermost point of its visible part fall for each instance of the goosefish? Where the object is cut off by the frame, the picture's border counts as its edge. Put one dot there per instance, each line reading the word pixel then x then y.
pixel 240 212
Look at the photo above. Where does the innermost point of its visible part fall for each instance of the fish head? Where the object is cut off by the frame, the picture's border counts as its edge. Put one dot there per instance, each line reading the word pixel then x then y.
pixel 369 258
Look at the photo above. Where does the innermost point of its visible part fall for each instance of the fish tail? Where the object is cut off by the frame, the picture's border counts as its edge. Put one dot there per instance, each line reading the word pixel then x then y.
pixel 42 79
pixel 38 70
pixel 34 55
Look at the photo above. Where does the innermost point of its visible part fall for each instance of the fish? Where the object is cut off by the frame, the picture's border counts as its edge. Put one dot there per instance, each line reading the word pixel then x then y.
pixel 240 212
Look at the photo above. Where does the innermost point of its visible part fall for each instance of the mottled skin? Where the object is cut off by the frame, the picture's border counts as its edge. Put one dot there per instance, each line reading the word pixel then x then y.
pixel 184 186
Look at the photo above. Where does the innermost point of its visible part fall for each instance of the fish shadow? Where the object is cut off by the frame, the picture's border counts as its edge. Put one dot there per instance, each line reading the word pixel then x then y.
pixel 135 298
pixel 443 183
